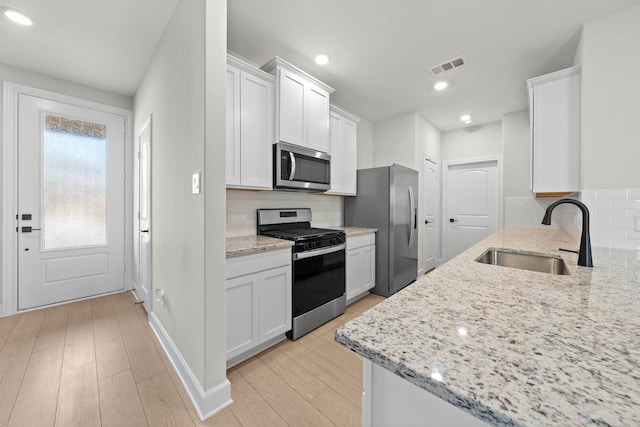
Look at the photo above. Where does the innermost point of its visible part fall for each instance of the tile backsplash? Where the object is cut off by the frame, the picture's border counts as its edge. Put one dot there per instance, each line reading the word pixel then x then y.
pixel 613 215
pixel 326 211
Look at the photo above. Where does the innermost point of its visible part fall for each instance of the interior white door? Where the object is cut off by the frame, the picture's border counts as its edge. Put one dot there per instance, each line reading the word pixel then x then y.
pixel 473 204
pixel 143 288
pixel 430 213
pixel 71 214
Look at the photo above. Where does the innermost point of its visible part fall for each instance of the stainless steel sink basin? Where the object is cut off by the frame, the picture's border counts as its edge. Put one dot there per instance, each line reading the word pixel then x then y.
pixel 532 262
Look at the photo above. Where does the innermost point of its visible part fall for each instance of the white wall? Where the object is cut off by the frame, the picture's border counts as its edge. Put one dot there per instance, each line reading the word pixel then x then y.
pixel 472 142
pixel 183 84
pixel 41 81
pixel 365 144
pixel 611 101
pixel 516 154
pixel 394 141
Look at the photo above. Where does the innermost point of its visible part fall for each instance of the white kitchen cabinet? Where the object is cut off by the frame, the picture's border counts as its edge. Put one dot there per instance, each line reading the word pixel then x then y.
pixel 343 150
pixel 258 290
pixel 250 134
pixel 302 106
pixel 554 108
pixel 360 266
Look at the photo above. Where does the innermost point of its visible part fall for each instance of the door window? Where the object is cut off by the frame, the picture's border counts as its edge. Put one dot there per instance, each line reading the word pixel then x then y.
pixel 74 183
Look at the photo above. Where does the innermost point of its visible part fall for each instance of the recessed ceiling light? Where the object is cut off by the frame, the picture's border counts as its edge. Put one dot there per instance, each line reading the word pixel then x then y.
pixel 465 118
pixel 322 59
pixel 441 85
pixel 17 17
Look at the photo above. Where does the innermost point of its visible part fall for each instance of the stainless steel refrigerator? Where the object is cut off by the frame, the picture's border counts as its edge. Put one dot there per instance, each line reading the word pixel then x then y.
pixel 387 199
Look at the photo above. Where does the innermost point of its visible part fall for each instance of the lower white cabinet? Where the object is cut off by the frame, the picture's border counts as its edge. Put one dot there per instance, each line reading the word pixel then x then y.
pixel 360 266
pixel 258 302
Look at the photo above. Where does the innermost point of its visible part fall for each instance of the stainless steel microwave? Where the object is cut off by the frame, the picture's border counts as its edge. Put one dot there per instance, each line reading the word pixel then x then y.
pixel 300 169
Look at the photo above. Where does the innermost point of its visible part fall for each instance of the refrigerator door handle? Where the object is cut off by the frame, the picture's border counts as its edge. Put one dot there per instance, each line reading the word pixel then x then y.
pixel 412 216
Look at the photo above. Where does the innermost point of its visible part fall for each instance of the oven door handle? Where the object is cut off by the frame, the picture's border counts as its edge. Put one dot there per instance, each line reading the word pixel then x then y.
pixel 318 252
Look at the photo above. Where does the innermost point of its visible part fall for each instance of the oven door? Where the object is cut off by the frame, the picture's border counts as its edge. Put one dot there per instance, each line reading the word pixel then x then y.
pixel 318 277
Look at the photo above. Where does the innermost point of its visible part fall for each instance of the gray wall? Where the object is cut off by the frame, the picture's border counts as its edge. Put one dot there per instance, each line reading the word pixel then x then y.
pixel 611 101
pixel 472 142
pixel 183 88
pixel 516 154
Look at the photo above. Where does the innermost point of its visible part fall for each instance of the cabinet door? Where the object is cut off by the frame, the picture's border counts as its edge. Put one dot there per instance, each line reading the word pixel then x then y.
pixel 233 126
pixel 335 137
pixel 353 267
pixel 242 319
pixel 291 121
pixel 275 303
pixel 555 132
pixel 256 131
pixel 349 155
pixel 317 118
pixel 368 268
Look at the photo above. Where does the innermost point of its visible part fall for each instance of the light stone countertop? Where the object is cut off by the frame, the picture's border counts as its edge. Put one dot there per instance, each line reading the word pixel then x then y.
pixel 355 231
pixel 248 245
pixel 517 347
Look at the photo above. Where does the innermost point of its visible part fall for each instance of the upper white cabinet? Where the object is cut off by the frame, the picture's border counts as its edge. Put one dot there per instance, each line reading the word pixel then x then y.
pixel 554 106
pixel 343 150
pixel 302 106
pixel 250 133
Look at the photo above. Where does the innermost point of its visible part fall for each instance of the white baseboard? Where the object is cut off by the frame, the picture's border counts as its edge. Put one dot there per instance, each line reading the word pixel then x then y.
pixel 207 403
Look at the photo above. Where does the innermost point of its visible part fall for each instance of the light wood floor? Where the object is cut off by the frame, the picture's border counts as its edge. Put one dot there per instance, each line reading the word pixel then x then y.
pixel 97 362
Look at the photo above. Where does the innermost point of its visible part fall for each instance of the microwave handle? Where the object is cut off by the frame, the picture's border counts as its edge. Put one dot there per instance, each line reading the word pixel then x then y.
pixel 293 165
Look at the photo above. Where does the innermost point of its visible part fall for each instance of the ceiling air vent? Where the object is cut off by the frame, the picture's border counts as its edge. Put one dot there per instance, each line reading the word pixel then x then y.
pixel 449 65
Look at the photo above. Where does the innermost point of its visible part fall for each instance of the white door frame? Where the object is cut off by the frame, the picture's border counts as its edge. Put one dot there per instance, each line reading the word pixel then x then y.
pixel 445 201
pixel 145 296
pixel 10 184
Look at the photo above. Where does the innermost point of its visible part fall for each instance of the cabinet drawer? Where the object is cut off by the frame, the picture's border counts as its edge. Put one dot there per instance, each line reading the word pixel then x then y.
pixel 360 241
pixel 248 264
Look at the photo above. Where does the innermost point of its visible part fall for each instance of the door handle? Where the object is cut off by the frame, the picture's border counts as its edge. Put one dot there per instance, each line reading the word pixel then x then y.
pixel 28 229
pixel 453 220
pixel 144 231
pixel 426 221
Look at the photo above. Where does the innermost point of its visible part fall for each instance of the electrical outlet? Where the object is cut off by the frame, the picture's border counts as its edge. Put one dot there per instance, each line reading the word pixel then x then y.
pixel 637 223
pixel 195 183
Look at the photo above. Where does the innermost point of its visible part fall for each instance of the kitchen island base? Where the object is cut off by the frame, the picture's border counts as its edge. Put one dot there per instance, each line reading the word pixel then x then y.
pixel 389 400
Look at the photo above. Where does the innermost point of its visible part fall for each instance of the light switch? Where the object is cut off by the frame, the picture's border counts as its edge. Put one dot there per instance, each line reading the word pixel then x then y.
pixel 195 183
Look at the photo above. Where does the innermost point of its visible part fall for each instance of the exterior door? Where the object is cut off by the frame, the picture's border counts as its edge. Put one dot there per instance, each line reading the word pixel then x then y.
pixel 143 288
pixel 473 204
pixel 70 202
pixel 430 213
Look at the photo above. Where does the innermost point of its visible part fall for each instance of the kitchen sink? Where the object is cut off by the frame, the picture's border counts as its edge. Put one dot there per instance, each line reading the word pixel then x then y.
pixel 524 261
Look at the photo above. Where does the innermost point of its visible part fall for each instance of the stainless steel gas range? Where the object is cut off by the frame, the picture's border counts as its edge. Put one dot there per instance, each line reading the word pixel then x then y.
pixel 318 257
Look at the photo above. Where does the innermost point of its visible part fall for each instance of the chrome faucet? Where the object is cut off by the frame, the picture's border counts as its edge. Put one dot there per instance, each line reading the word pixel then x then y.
pixel 584 254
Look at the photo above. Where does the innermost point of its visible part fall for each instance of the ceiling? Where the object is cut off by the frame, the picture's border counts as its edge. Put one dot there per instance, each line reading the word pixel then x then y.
pixel 381 49
pixel 102 44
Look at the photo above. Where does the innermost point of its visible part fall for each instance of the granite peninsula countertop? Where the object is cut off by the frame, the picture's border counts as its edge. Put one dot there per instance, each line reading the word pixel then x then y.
pixel 253 244
pixel 248 245
pixel 516 347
